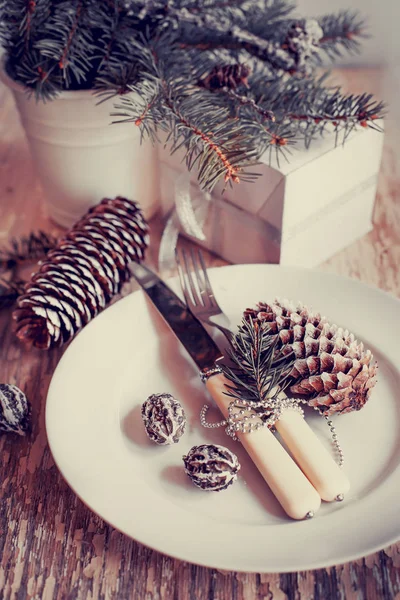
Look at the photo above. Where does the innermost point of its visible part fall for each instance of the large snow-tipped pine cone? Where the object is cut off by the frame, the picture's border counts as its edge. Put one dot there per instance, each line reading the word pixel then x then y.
pixel 332 370
pixel 81 274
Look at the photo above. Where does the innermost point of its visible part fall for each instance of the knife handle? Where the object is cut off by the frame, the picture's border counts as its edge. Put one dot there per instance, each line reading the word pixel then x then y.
pixel 312 457
pixel 288 483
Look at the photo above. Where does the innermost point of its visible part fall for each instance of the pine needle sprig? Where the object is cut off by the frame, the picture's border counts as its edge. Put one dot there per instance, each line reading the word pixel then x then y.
pixel 308 108
pixel 223 79
pixel 9 292
pixel 26 249
pixel 248 101
pixel 259 372
pixel 69 42
pixel 343 32
pixel 218 144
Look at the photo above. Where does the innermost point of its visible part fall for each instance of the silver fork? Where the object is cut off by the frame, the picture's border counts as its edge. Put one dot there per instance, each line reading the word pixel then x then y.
pixel 198 292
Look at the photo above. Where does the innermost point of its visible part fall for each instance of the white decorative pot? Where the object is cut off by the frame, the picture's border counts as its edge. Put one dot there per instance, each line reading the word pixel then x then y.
pixel 82 157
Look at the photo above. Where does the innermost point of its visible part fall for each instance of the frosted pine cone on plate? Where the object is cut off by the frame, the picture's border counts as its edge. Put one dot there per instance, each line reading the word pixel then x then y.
pixel 82 274
pixel 333 371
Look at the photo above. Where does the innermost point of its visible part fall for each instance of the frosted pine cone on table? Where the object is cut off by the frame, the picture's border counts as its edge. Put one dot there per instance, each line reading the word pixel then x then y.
pixel 81 275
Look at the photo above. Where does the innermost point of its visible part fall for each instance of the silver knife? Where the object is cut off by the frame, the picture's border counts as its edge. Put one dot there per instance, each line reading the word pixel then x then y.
pixel 183 323
pixel 288 483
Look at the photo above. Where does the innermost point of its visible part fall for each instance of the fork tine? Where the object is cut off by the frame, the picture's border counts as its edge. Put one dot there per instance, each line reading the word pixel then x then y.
pixel 182 280
pixel 200 283
pixel 196 300
pixel 198 291
pixel 209 290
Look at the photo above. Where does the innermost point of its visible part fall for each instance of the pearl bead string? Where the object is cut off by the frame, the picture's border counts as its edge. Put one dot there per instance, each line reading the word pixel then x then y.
pixel 240 422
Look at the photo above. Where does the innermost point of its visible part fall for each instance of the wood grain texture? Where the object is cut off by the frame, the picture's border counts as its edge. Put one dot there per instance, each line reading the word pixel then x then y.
pixel 51 545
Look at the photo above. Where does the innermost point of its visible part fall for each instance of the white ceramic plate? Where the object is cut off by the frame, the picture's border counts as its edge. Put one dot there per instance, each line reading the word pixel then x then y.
pixel 98 441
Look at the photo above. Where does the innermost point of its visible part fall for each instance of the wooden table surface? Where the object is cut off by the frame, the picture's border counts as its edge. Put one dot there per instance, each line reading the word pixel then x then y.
pixel 51 545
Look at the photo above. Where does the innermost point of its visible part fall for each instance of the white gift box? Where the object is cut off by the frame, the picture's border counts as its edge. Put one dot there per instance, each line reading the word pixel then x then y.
pixel 299 213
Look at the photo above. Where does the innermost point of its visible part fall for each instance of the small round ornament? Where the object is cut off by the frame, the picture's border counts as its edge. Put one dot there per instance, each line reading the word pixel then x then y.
pixel 211 467
pixel 164 419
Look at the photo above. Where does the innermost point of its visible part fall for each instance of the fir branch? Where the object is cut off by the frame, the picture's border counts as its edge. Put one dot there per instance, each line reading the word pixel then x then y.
pixel 217 145
pixel 140 76
pixel 342 113
pixel 24 16
pixel 247 101
pixel 20 251
pixel 142 116
pixel 118 81
pixel 74 26
pixel 116 43
pixel 307 107
pixel 39 77
pixel 231 173
pixel 25 249
pixel 238 39
pixel 260 372
pixel 225 79
pixel 27 22
pixel 274 140
pixel 213 150
pixel 68 43
pixel 217 148
pixel 110 37
pixel 152 54
pixel 9 292
pixel 343 32
pixel 145 112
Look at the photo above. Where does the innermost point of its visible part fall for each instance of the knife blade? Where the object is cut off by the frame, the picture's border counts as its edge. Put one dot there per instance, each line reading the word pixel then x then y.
pixel 188 329
pixel 288 483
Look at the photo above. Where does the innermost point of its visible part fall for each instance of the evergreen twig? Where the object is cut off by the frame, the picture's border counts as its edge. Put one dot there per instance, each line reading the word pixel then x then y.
pixel 248 101
pixel 259 372
pixel 342 33
pixel 9 292
pixel 25 249
pixel 179 66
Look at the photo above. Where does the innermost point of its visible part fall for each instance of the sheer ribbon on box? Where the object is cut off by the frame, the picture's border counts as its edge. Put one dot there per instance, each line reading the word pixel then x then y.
pixel 188 214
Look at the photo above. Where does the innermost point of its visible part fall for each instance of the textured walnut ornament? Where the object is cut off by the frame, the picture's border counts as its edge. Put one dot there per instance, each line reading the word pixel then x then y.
pixel 210 467
pixel 15 410
pixel 333 371
pixel 82 274
pixel 164 419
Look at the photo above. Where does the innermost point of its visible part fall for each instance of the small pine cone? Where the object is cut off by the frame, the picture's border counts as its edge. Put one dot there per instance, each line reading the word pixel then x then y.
pixel 332 370
pixel 226 76
pixel 302 41
pixel 81 274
